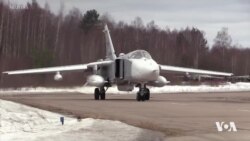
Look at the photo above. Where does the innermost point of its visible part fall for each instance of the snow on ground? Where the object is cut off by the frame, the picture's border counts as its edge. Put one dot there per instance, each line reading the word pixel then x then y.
pixel 83 89
pixel 228 87
pixel 21 123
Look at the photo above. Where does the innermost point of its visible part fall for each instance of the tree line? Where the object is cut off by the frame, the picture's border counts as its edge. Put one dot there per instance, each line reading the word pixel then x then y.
pixel 33 36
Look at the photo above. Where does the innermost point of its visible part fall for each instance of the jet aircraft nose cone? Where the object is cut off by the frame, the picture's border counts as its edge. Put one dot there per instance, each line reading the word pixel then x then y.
pixel 145 70
pixel 155 71
pixel 154 74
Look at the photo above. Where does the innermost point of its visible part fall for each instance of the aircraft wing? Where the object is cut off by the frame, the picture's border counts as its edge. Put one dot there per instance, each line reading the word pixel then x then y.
pixel 165 68
pixel 243 76
pixel 79 67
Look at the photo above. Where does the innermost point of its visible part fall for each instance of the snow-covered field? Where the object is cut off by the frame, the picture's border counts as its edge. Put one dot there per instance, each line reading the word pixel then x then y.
pixel 23 123
pixel 20 123
pixel 228 87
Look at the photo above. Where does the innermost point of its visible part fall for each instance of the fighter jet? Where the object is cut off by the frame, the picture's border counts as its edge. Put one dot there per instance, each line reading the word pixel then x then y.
pixel 127 71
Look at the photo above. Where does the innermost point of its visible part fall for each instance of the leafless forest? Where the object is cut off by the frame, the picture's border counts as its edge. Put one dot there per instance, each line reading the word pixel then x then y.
pixel 32 36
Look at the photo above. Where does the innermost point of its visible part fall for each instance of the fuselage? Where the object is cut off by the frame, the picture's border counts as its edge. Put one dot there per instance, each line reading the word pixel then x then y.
pixel 140 67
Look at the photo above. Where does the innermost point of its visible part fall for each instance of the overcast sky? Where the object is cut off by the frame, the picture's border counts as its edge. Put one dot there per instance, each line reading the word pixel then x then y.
pixel 207 15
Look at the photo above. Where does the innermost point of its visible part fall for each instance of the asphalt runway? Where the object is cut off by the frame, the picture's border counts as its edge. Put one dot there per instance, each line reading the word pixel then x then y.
pixel 179 116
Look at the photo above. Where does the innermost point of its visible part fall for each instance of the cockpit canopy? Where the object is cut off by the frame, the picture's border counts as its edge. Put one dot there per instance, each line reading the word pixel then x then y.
pixel 138 54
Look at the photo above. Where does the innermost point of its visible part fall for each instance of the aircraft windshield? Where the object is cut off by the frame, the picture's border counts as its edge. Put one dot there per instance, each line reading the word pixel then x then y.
pixel 138 54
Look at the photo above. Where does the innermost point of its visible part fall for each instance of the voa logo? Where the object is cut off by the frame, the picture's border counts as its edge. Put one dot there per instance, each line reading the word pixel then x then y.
pixel 224 126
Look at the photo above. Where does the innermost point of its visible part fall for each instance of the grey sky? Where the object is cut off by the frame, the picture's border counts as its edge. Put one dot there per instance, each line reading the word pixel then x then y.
pixel 207 15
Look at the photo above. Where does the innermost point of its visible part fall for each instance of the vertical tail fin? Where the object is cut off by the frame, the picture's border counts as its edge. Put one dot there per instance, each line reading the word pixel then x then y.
pixel 110 52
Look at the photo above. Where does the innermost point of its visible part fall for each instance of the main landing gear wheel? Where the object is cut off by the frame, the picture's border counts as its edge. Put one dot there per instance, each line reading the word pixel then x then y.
pixel 97 94
pixel 100 94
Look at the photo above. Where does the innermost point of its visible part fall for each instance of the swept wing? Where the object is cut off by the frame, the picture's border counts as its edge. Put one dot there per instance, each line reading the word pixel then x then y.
pixel 166 68
pixel 80 67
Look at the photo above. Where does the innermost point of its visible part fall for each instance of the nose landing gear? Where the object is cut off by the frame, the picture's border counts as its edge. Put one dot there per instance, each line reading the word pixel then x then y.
pixel 143 94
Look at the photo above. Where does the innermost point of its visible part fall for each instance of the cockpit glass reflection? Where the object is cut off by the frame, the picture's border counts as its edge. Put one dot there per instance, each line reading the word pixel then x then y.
pixel 138 54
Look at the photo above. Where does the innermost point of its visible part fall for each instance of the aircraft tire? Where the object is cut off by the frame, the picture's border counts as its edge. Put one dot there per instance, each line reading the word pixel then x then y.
pixel 103 94
pixel 142 95
pixel 97 94
pixel 147 94
pixel 138 96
